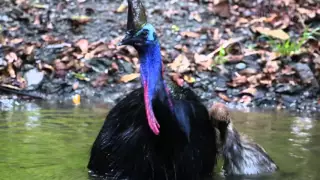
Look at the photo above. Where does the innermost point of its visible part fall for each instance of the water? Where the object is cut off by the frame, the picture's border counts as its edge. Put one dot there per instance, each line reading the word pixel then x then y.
pixel 53 142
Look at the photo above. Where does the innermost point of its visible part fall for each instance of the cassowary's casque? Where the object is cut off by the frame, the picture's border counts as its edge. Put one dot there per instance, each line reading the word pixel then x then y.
pixel 158 132
pixel 241 156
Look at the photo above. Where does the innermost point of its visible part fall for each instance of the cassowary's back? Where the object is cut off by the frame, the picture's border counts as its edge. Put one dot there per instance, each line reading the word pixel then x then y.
pixel 127 148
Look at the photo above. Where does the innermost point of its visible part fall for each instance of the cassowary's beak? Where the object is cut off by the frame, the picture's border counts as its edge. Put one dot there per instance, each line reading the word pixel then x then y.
pixel 136 20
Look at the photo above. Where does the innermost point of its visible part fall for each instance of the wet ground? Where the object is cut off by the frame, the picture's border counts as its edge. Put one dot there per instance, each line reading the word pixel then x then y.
pixel 47 141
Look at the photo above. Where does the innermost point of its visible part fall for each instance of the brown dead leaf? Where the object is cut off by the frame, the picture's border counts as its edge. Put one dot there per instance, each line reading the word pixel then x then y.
pixel 224 97
pixel 224 45
pixel 190 34
pixel 16 41
pixel 271 67
pixel 59 65
pixel 28 49
pixel 176 78
pixel 276 33
pixel 129 77
pixel 11 57
pixel 49 67
pixel 309 13
pixel 83 44
pixel 222 9
pixel 238 80
pixel 287 70
pixel 81 19
pixel 245 99
pixel 114 66
pixel 89 55
pixel 189 79
pixel 196 16
pixel 251 90
pixel 180 64
pixel 216 34
pixel 100 81
pixel 49 38
pixel 11 71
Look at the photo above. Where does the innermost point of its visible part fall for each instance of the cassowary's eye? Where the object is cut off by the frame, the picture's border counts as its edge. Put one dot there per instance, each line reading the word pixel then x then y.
pixel 144 34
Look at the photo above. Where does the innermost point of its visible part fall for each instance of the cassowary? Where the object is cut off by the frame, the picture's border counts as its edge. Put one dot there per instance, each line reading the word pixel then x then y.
pixel 241 156
pixel 157 132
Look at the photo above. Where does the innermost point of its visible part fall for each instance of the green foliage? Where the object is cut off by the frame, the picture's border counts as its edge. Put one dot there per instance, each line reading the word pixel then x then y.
pixel 221 58
pixel 289 47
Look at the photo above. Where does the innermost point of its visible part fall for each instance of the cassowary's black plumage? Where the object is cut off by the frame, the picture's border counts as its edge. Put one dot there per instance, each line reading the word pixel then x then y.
pixel 127 148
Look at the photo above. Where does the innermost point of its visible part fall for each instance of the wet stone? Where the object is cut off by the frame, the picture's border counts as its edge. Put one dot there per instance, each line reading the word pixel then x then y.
pixel 241 66
pixel 127 67
pixel 3 63
pixel 33 78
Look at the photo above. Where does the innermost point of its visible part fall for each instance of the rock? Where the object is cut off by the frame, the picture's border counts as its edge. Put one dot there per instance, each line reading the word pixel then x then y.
pixel 221 84
pixel 33 78
pixel 248 71
pixel 289 101
pixel 287 88
pixel 241 66
pixel 127 67
pixel 3 63
pixel 306 74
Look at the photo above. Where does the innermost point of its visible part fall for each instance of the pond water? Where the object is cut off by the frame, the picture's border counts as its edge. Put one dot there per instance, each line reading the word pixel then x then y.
pixel 53 142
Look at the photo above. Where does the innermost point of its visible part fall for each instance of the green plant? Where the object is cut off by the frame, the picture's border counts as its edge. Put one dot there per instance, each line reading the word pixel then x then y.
pixel 221 58
pixel 289 47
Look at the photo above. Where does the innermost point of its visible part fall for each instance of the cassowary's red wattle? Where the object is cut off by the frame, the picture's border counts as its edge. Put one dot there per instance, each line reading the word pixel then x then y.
pixel 152 121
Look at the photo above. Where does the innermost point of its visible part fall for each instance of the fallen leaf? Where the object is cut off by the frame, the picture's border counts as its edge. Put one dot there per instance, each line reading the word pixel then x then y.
pixel 11 57
pixel 28 49
pixel 49 38
pixel 189 79
pixel 10 86
pixel 251 90
pixel 276 33
pixel 100 81
pixel 190 34
pixel 81 19
pixel 309 13
pixel 176 78
pixel 180 64
pixel 16 41
pixel 221 8
pixel 245 99
pixel 122 8
pixel 75 85
pixel 196 16
pixel 271 67
pixel 83 44
pixel 11 71
pixel 129 77
pixel 224 97
pixel 287 70
pixel 76 99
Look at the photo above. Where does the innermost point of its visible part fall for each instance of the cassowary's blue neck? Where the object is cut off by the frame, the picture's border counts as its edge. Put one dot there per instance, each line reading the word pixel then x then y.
pixel 151 65
pixel 152 80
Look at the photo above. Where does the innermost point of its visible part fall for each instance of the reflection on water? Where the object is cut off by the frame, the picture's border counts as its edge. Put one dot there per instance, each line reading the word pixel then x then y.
pixel 53 141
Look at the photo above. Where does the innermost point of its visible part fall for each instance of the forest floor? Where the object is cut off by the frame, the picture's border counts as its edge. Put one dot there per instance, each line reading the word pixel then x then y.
pixel 248 53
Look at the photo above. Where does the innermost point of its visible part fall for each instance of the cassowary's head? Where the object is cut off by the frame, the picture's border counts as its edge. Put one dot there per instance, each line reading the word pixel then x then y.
pixel 145 36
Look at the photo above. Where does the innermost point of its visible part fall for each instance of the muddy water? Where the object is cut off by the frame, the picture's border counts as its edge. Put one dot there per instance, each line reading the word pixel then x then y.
pixel 53 142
